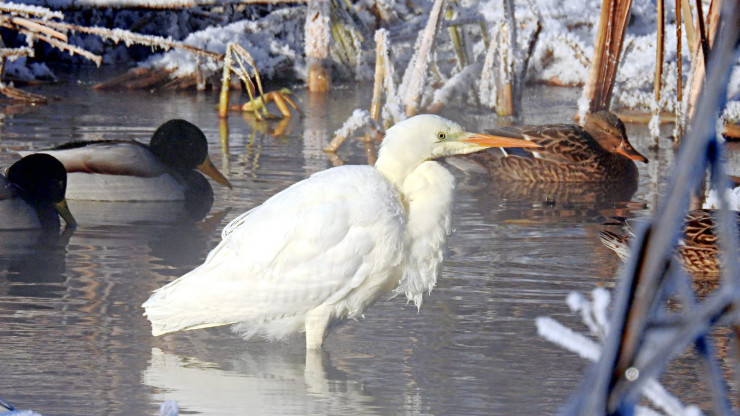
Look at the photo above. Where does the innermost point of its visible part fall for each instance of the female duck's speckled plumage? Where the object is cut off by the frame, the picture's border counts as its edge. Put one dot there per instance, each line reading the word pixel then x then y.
pixel 126 170
pixel 697 248
pixel 32 194
pixel 597 152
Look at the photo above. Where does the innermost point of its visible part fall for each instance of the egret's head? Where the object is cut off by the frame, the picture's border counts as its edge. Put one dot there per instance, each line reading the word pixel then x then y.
pixel 428 136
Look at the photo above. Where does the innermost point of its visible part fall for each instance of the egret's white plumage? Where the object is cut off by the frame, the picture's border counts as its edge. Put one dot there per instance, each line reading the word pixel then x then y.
pixel 329 246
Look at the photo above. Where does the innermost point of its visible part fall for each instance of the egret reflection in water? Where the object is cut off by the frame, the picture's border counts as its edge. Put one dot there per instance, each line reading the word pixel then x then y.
pixel 265 380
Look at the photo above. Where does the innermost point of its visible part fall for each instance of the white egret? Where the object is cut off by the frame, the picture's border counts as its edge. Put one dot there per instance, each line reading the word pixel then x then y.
pixel 327 247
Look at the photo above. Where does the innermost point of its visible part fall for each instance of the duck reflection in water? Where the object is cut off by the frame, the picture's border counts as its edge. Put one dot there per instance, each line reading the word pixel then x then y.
pixel 33 262
pixel 32 250
pixel 697 249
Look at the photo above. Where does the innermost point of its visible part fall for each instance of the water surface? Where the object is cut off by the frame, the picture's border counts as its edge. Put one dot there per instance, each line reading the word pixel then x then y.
pixel 74 341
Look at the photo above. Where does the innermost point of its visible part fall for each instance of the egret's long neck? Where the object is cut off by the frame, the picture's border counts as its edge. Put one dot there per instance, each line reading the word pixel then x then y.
pixel 396 163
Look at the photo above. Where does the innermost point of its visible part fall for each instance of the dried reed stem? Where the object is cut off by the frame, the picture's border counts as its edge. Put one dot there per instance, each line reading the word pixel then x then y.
pixel 119 35
pixel 458 41
pixel 701 27
pixel 658 78
pixel 20 95
pixel 380 56
pixel 688 22
pixel 698 64
pixel 317 34
pixel 236 53
pixel 223 98
pixel 413 78
pixel 607 49
pixel 678 130
pixel 505 97
pixel 74 50
pixel 37 27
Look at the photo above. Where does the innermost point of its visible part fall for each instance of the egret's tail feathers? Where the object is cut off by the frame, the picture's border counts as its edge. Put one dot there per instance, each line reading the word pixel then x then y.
pixel 161 328
pixel 175 308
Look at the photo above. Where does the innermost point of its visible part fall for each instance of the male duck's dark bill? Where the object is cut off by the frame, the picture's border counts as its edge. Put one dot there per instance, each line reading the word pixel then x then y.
pixel 209 169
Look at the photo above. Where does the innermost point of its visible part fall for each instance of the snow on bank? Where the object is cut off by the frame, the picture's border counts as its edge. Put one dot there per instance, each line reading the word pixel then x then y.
pixel 276 41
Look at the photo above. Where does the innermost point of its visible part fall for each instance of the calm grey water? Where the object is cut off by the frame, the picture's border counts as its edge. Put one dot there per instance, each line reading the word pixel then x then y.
pixel 73 340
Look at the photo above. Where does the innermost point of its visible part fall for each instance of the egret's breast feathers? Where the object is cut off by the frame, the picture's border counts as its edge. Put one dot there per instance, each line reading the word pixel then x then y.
pixel 429 193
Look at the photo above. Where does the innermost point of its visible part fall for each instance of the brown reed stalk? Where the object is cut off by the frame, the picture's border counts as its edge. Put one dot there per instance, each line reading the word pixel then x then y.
pixel 458 40
pixel 713 20
pixel 507 43
pixel 317 31
pixel 607 50
pixel 223 98
pixel 698 63
pixel 380 56
pixel 413 78
pixel 701 27
pixel 659 46
pixel 678 130
pixel 236 53
pixel 688 22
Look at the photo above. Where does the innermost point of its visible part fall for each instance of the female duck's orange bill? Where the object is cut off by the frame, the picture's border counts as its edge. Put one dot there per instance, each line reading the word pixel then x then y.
pixel 625 149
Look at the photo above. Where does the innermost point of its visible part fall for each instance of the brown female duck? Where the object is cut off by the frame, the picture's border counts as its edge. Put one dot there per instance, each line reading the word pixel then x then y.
pixel 597 152
pixel 697 249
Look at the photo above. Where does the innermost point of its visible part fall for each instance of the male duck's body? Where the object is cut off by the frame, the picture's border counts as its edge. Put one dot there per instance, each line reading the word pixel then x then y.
pixel 597 152
pixel 126 170
pixel 32 194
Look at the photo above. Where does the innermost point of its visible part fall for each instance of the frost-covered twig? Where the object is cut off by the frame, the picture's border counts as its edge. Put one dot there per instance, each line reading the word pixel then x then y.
pixel 411 86
pixel 594 315
pixel 17 9
pixel 317 40
pixel 35 24
pixel 358 120
pixel 130 38
pixel 457 84
pixel 236 53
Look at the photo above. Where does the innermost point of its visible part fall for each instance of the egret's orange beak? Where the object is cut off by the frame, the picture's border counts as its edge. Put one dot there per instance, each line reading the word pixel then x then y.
pixel 210 170
pixel 489 140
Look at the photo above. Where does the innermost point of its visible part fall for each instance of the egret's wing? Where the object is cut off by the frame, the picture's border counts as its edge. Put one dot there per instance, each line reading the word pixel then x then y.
pixel 109 157
pixel 308 245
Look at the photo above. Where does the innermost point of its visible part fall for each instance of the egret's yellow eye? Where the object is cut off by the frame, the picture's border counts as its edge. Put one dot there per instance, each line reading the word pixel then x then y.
pixel 441 135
